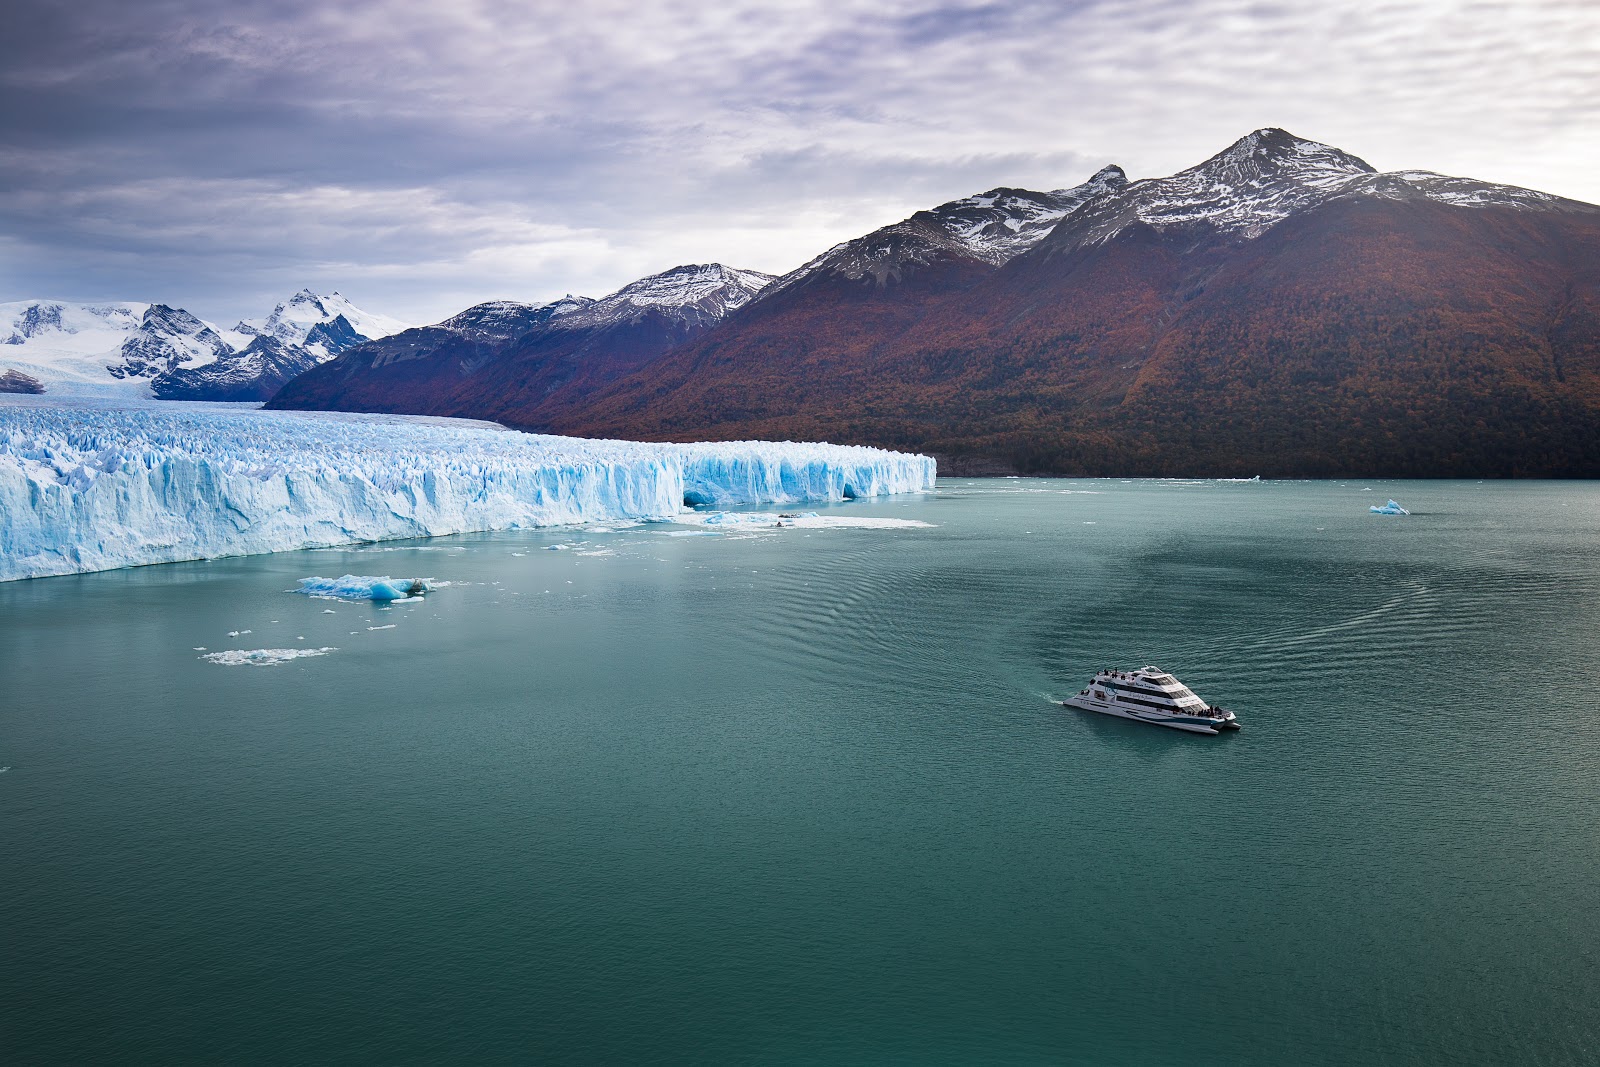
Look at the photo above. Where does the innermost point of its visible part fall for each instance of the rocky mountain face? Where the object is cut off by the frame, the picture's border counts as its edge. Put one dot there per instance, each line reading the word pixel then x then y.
pixel 302 332
pixel 1281 308
pixel 510 361
pixel 14 381
pixel 156 350
pixel 986 229
pixel 165 339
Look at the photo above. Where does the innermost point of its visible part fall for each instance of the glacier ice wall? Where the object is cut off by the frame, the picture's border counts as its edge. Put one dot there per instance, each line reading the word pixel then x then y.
pixel 88 486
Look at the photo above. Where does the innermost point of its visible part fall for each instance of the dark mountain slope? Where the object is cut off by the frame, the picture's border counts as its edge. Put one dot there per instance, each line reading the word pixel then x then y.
pixel 1280 309
pixel 506 361
pixel 416 371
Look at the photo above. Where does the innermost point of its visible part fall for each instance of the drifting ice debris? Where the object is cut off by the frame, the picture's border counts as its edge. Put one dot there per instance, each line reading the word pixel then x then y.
pixel 263 657
pixel 364 587
pixel 1391 508
pixel 809 520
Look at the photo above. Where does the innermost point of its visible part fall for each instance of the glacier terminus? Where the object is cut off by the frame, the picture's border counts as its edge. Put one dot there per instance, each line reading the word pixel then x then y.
pixel 91 485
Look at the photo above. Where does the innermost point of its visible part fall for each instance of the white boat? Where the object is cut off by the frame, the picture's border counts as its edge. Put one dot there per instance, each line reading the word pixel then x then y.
pixel 1150 694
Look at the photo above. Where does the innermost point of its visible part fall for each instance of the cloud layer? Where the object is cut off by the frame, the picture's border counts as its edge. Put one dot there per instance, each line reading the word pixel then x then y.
pixel 421 157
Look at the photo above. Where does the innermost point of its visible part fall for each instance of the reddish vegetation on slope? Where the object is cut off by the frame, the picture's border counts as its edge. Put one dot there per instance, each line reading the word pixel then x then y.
pixel 1363 336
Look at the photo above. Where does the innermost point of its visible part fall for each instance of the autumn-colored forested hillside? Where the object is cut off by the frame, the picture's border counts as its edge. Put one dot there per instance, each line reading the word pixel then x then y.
pixel 1365 336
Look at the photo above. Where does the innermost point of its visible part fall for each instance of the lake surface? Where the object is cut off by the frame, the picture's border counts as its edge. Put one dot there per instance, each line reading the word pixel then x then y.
pixel 803 796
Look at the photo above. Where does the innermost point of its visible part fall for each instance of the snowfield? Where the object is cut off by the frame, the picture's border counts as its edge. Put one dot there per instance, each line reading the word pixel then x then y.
pixel 91 485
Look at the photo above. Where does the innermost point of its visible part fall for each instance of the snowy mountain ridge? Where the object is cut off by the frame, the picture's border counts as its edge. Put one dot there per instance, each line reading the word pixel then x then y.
pixel 702 292
pixel 497 359
pixel 505 320
pixel 305 319
pixel 1262 179
pixel 133 349
pixel 992 227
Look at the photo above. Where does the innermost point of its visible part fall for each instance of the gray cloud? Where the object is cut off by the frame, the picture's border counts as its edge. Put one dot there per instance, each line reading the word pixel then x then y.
pixel 422 156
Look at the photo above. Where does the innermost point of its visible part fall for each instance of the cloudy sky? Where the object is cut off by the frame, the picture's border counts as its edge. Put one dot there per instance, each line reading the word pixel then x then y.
pixel 422 156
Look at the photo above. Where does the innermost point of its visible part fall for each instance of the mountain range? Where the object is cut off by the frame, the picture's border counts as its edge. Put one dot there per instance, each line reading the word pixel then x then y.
pixel 1282 308
pixel 520 363
pixel 135 349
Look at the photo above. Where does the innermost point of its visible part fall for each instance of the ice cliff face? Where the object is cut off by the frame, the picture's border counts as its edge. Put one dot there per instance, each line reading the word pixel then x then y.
pixel 103 484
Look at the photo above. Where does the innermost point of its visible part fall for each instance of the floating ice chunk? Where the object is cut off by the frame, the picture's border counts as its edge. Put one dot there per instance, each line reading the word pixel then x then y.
pixel 388 627
pixel 806 520
pixel 364 587
pixel 1391 508
pixel 263 657
pixel 241 633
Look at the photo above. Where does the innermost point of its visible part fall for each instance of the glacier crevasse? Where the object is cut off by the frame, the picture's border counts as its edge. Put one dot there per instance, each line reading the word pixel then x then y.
pixel 91 486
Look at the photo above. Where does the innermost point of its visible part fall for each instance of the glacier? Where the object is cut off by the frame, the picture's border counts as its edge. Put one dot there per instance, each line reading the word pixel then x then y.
pixel 95 484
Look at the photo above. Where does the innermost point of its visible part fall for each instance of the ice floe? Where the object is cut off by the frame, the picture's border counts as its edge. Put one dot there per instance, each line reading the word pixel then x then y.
pixel 263 657
pixel 1391 508
pixel 804 520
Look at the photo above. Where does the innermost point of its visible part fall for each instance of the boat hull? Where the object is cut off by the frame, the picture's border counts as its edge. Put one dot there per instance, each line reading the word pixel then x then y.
pixel 1187 724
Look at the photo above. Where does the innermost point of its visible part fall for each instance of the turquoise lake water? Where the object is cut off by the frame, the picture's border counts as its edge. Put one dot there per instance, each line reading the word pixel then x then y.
pixel 803 796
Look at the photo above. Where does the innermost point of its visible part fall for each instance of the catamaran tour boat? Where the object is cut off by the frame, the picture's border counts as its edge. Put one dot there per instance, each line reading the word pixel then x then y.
pixel 1150 694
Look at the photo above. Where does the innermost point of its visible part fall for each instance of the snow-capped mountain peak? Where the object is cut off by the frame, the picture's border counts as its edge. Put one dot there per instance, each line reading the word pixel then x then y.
pixel 168 338
pixel 1275 153
pixel 503 320
pixel 295 321
pixel 992 227
pixel 691 284
pixel 115 347
pixel 129 348
pixel 28 320
pixel 701 291
pixel 1260 180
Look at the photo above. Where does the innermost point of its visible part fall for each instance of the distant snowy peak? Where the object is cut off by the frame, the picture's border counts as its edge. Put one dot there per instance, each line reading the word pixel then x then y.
pixel 38 320
pixel 136 349
pixel 167 338
pixel 103 347
pixel 1270 155
pixel 998 225
pixel 313 320
pixel 704 292
pixel 504 320
pixel 1262 179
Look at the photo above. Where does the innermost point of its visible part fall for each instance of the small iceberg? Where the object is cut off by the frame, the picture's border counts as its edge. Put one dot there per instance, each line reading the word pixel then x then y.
pixel 1391 508
pixel 364 587
pixel 263 657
